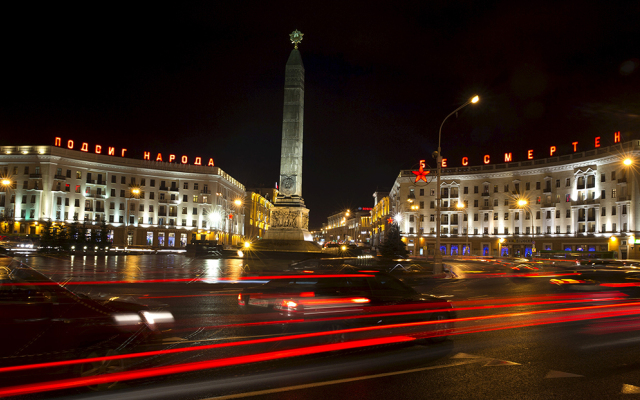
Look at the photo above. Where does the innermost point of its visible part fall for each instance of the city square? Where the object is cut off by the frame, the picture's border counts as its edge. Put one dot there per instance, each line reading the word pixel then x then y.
pixel 467 226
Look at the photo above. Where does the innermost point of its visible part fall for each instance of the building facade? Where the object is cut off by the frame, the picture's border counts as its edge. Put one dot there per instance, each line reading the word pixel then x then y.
pixel 260 202
pixel 143 203
pixel 581 202
pixel 380 215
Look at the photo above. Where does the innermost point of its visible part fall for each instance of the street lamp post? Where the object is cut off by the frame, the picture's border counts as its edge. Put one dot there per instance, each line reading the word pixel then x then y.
pixel 460 206
pixel 437 264
pixel 522 204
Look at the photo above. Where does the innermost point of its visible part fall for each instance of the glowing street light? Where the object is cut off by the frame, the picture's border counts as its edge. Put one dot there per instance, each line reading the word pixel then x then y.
pixel 627 161
pixel 437 262
pixel 6 182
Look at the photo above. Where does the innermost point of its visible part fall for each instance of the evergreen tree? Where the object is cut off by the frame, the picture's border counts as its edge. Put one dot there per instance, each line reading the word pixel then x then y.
pixel 61 237
pixel 393 246
pixel 104 231
pixel 46 236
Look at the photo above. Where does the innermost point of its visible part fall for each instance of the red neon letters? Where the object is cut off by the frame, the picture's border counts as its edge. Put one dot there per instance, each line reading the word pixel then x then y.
pixel 145 155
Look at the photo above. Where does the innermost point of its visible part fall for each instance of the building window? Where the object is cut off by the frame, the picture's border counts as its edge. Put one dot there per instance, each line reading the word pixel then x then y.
pixel 195 211
pixel 527 186
pixel 568 228
pixel 557 228
pixel 604 212
pixel 195 186
pixel 466 190
pixel 123 180
pixel 568 182
pixel 557 183
pixel 537 185
pixel 486 202
pixel 495 216
pixel 506 201
pixel 613 177
pixel 537 214
pixel 613 226
pixel 432 192
pixel 506 216
pixel 411 219
pixel 432 217
pixel 475 189
pixel 603 177
pixel 122 193
pixel 557 213
pixel 624 209
pixel 495 202
pixel 613 210
pixel 422 204
pixel 431 204
pixel 506 188
pixel 603 194
pixel 152 196
pixel 475 203
pixel 517 230
pixel 613 193
pixel 548 214
pixel 475 217
pixel 421 192
pixel 568 198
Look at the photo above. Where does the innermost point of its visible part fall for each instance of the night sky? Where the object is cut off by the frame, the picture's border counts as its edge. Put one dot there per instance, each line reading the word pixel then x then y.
pixel 207 79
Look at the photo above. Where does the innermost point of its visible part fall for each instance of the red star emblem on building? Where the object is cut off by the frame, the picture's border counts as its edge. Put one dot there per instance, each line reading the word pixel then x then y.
pixel 421 174
pixel 390 220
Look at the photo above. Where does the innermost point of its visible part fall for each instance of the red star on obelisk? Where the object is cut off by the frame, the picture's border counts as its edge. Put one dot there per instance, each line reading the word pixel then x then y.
pixel 390 220
pixel 421 174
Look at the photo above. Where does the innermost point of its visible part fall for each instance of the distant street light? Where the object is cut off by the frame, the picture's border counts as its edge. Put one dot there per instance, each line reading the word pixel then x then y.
pixel 522 203
pixel 437 262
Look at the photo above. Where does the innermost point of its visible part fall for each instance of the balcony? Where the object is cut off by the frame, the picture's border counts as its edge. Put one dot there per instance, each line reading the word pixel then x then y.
pixel 547 190
pixel 623 198
pixel 486 208
pixel 175 214
pixel 584 202
pixel 60 177
pixel 174 189
pixel 548 205
pixel 486 194
pixel 205 192
pixel 35 176
pixel 163 188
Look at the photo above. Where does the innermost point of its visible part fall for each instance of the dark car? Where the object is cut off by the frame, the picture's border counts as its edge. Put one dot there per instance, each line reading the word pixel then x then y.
pixel 338 301
pixel 43 321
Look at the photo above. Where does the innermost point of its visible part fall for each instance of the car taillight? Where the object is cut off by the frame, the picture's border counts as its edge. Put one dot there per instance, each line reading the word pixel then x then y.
pixel 289 304
pixel 360 300
pixel 240 301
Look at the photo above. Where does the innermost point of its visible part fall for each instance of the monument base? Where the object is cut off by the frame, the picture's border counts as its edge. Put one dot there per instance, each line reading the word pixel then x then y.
pixel 289 230
pixel 286 246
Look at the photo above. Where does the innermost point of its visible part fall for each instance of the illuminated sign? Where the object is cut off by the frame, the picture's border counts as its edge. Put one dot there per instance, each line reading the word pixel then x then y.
pixel 508 156
pixel 111 151
pixel 421 174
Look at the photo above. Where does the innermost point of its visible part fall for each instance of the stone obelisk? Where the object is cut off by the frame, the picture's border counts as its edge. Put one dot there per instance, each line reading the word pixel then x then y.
pixel 289 216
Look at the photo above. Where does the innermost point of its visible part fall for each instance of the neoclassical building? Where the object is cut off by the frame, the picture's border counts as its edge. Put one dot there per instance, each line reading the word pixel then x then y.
pixel 580 202
pixel 144 203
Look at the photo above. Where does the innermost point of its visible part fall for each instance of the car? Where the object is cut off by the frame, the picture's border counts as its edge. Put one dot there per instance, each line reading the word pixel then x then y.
pixel 320 301
pixel 43 321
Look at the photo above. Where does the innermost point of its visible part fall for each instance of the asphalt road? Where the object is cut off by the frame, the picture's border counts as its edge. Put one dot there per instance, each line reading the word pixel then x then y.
pixel 518 336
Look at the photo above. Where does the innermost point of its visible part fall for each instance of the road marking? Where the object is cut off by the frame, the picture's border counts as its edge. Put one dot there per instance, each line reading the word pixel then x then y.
pixel 560 374
pixel 499 363
pixel 630 389
pixel 465 355
pixel 337 381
